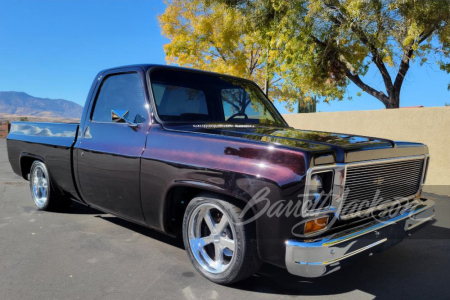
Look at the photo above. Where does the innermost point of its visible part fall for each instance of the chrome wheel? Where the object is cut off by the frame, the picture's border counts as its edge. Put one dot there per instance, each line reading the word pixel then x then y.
pixel 39 185
pixel 212 238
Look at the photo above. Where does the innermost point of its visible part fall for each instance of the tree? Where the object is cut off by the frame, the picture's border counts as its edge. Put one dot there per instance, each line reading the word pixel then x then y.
pixel 307 107
pixel 326 44
pixel 216 37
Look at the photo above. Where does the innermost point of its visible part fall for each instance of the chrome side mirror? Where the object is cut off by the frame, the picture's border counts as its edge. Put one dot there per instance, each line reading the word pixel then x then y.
pixel 121 116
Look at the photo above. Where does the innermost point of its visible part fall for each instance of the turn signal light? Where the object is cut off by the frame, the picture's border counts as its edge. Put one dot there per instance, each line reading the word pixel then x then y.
pixel 419 194
pixel 316 225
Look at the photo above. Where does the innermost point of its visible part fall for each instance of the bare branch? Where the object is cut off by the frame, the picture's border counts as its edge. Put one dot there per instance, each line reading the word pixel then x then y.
pixel 220 53
pixel 355 77
pixel 408 52
pixel 371 91
pixel 275 81
pixel 376 57
pixel 250 71
pixel 254 60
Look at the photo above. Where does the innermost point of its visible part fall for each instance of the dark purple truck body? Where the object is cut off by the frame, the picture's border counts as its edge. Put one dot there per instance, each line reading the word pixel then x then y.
pixel 147 175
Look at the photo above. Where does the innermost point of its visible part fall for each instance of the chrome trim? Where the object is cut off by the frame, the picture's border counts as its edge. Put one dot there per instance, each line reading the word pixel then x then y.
pixel 385 205
pixel 338 190
pixel 322 256
pixel 39 186
pixel 425 170
pixel 420 223
pixel 325 263
pixel 339 171
pixel 379 207
pixel 121 116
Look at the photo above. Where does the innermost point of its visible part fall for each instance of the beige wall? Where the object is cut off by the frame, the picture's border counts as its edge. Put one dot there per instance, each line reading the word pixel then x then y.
pixel 430 126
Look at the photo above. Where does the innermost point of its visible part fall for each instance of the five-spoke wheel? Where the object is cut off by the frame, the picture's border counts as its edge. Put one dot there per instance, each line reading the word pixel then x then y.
pixel 218 243
pixel 211 236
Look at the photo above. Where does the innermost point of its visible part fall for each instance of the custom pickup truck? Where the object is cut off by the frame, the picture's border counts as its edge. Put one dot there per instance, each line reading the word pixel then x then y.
pixel 207 157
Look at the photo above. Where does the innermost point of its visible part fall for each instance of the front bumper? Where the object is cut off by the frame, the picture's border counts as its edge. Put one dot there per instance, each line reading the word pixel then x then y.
pixel 319 257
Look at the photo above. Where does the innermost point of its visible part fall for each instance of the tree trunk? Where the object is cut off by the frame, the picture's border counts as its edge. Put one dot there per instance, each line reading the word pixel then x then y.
pixel 394 99
pixel 266 86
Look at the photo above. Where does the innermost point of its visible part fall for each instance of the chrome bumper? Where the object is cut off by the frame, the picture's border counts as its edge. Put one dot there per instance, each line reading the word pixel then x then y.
pixel 319 257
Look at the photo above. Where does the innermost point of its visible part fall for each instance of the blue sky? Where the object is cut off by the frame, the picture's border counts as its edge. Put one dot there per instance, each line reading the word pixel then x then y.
pixel 54 49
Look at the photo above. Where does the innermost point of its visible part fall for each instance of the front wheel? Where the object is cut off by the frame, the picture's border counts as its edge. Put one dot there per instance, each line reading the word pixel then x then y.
pixel 43 196
pixel 221 248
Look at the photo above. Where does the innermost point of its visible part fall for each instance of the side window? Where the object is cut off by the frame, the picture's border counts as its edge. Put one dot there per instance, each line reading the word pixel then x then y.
pixel 120 92
pixel 176 103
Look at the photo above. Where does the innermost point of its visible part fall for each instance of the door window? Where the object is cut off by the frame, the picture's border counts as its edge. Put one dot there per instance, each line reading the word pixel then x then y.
pixel 120 92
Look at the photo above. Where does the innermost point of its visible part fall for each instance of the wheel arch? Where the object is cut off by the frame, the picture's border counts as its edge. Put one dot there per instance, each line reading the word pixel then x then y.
pixel 179 195
pixel 26 161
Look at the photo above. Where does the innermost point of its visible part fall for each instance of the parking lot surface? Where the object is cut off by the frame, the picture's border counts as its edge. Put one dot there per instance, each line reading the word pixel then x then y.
pixel 86 254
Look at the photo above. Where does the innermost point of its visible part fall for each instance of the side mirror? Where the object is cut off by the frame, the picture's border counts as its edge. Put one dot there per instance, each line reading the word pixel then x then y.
pixel 121 116
pixel 139 119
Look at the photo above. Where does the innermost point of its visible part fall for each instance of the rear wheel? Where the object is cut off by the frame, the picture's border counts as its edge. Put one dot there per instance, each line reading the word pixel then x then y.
pixel 220 248
pixel 43 196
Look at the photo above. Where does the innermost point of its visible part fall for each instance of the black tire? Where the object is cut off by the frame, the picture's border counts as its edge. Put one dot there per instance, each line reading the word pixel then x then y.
pixel 245 260
pixel 50 200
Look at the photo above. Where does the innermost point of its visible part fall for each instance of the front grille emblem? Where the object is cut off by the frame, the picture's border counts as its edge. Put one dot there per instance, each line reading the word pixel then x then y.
pixel 378 181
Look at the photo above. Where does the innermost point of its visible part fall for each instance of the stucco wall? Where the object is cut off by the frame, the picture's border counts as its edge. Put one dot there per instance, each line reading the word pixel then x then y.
pixel 430 126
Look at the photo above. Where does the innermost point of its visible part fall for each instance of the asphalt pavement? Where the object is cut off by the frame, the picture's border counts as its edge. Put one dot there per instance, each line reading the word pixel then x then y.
pixel 86 254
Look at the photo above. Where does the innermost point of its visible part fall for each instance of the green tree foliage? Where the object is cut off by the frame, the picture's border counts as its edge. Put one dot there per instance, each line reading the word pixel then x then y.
pixel 319 46
pixel 213 36
pixel 323 45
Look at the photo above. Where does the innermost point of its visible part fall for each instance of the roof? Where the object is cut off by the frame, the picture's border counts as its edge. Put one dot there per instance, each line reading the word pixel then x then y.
pixel 148 66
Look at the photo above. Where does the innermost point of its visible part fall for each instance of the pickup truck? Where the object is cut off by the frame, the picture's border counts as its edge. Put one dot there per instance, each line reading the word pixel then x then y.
pixel 207 157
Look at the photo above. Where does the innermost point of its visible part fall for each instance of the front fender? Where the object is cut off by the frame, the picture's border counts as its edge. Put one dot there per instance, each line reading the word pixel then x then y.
pixel 231 167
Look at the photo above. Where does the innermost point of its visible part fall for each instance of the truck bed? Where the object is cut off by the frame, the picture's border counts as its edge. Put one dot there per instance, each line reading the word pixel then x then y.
pixel 51 143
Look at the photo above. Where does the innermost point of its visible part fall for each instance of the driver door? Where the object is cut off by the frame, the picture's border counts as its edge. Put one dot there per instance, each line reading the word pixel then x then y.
pixel 109 153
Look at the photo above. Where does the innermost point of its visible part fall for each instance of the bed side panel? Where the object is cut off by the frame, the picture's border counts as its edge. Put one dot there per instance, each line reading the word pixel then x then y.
pixel 49 142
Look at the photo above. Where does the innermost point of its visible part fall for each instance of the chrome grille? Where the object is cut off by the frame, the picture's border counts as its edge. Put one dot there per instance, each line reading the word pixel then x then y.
pixel 374 184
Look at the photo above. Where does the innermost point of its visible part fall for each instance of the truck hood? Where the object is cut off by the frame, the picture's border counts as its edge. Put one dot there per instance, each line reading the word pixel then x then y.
pixel 339 147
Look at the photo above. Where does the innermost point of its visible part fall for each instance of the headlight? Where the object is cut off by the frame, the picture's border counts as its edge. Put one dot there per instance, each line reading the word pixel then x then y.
pixel 316 185
pixel 319 190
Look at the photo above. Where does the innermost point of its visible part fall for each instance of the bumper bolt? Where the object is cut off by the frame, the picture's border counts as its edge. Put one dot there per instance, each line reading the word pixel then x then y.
pixel 332 251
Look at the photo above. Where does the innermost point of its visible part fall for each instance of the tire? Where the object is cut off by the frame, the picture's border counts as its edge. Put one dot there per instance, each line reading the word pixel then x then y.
pixel 227 253
pixel 44 197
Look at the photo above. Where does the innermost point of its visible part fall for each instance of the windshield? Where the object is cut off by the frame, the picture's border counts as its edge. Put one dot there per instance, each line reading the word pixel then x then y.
pixel 183 96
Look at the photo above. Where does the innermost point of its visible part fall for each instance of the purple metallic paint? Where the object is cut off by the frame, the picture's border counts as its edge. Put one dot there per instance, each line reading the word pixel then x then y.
pixel 130 172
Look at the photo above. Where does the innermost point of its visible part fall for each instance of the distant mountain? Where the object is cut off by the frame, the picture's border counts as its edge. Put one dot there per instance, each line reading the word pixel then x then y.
pixel 19 103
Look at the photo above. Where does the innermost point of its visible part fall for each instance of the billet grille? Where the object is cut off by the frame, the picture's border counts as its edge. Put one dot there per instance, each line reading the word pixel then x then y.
pixel 371 185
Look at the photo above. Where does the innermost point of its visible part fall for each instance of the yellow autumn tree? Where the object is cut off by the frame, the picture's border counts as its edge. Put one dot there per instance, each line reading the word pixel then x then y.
pixel 328 44
pixel 215 37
